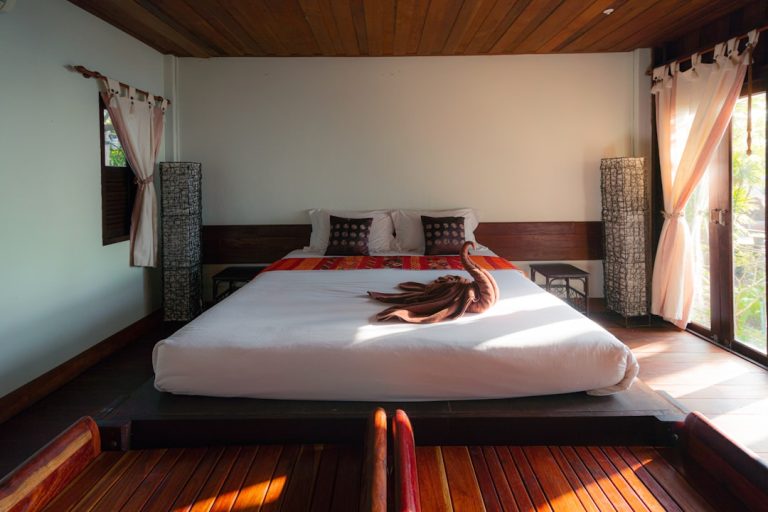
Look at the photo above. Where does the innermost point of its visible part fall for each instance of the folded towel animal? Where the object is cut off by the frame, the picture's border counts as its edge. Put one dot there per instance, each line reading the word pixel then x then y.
pixel 445 298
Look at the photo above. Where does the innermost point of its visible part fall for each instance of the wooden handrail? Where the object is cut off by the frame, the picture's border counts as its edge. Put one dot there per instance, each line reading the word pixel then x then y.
pixel 734 466
pixel 373 496
pixel 36 481
pixel 407 497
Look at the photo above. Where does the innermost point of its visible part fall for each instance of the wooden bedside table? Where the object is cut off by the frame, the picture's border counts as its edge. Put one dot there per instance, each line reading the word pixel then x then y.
pixel 554 272
pixel 233 276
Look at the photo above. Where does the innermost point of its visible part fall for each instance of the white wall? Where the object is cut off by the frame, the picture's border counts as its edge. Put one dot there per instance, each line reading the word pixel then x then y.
pixel 642 129
pixel 61 290
pixel 517 137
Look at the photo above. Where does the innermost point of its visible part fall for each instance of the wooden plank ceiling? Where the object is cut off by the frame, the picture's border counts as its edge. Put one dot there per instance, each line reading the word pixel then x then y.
pixel 233 28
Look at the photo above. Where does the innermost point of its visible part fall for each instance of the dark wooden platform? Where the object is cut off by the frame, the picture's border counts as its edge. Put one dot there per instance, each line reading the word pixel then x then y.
pixel 149 418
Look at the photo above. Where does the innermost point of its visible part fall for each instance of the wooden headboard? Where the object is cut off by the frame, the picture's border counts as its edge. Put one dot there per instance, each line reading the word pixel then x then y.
pixel 517 241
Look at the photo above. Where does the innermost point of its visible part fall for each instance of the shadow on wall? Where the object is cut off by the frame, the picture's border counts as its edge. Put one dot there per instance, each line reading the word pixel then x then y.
pixel 153 289
pixel 47 338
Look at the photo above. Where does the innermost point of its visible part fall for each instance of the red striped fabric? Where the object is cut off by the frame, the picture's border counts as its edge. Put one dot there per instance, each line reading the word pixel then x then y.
pixel 391 262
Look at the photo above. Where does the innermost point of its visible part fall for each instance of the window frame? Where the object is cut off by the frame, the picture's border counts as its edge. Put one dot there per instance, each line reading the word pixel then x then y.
pixel 125 187
pixel 723 321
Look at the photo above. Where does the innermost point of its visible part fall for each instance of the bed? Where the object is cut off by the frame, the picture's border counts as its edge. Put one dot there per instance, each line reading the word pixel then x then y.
pixel 303 333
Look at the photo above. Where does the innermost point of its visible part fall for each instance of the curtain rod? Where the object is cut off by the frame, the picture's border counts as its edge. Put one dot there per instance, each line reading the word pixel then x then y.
pixel 706 50
pixel 87 73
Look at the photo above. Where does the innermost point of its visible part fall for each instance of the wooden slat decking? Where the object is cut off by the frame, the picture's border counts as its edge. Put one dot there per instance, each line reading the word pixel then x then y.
pixel 552 478
pixel 264 478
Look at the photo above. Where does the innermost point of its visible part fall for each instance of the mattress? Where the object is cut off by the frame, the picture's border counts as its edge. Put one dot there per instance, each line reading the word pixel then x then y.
pixel 311 335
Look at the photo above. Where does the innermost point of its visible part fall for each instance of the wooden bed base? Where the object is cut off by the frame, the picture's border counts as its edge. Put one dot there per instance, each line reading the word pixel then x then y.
pixel 703 470
pixel 149 418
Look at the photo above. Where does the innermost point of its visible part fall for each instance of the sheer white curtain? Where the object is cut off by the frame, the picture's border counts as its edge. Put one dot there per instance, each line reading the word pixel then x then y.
pixel 138 121
pixel 693 109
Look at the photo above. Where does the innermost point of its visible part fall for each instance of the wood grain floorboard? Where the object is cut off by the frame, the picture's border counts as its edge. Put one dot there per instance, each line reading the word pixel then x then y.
pixel 588 481
pixel 280 479
pixel 580 489
pixel 122 490
pixel 322 495
pixel 256 483
pixel 462 481
pixel 615 497
pixel 451 478
pixel 147 487
pixel 347 482
pixel 514 478
pixel 557 488
pixel 500 483
pixel 102 469
pixel 171 487
pixel 236 478
pixel 530 479
pixel 484 480
pixel 433 483
pixel 190 491
pixel 228 493
pixel 666 475
pixel 558 478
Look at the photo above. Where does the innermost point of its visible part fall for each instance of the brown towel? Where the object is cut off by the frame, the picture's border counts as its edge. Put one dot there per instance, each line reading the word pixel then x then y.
pixel 445 298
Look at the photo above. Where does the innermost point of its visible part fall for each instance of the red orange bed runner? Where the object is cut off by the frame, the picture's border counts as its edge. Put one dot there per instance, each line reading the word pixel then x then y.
pixel 393 262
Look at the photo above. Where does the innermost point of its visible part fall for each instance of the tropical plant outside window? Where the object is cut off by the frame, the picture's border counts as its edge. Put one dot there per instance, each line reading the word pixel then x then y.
pixel 697 215
pixel 748 221
pixel 114 156
pixel 747 231
pixel 118 187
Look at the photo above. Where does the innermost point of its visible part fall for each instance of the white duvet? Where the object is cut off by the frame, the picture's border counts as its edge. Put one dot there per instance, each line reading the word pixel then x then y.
pixel 310 335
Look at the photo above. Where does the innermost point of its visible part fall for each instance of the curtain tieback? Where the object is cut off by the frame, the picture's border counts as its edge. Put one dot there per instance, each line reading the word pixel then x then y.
pixel 673 215
pixel 145 181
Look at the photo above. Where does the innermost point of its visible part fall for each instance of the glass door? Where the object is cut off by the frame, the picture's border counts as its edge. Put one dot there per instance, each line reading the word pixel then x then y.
pixel 727 218
pixel 748 228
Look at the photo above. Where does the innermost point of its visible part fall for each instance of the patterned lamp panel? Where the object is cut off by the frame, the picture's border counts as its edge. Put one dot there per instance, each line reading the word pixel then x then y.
pixel 181 200
pixel 625 217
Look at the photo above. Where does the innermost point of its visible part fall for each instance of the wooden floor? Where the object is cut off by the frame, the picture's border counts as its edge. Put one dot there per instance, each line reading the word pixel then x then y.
pixel 729 390
pixel 265 478
pixel 553 478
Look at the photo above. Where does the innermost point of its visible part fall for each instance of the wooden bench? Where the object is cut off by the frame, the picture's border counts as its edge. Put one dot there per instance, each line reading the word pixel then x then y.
pixel 705 471
pixel 73 473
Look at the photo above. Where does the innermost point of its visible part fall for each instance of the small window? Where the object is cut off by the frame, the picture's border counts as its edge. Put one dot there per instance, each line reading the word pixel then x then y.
pixel 118 189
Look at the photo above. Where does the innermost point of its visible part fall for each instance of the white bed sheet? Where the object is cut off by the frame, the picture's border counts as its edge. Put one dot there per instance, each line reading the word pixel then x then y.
pixel 311 335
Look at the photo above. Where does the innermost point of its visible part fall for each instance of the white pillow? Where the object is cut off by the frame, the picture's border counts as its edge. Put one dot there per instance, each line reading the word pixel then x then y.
pixel 409 232
pixel 381 238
